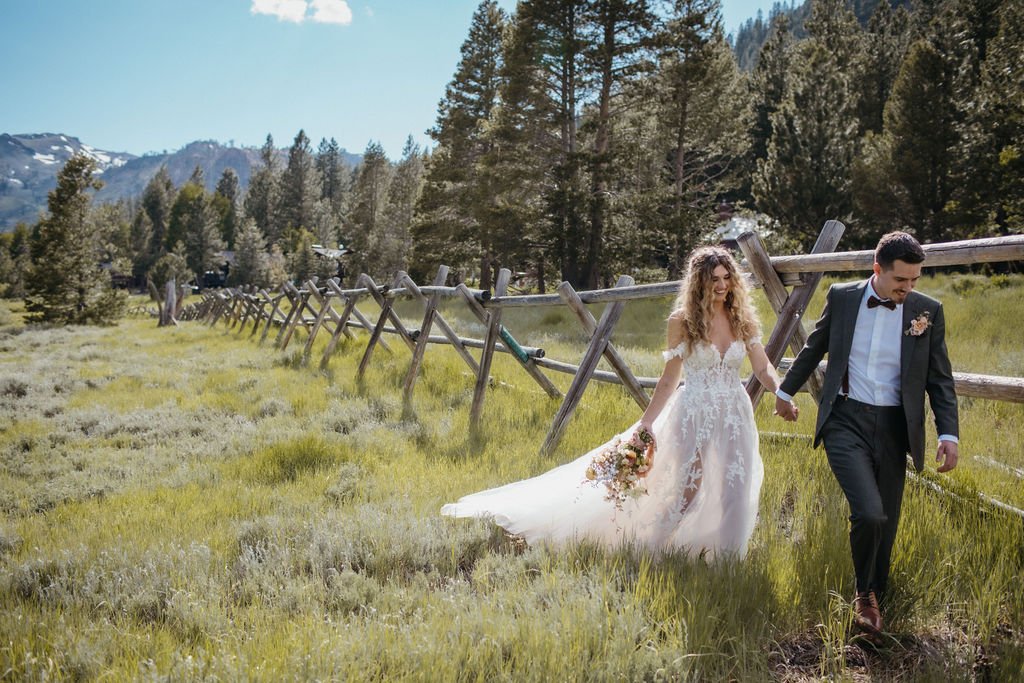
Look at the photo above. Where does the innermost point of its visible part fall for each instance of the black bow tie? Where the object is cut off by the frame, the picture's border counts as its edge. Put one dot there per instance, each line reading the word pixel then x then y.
pixel 874 301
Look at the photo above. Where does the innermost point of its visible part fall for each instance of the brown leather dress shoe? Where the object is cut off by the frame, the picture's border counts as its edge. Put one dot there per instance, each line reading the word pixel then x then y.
pixel 867 616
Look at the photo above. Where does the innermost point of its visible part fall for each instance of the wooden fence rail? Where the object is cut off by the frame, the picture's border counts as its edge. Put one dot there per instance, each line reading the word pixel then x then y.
pixel 789 282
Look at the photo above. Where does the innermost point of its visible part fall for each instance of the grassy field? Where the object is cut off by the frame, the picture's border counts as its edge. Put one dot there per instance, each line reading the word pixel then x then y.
pixel 183 504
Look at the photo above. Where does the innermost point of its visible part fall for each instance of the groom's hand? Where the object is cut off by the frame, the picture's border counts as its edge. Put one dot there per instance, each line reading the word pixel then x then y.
pixel 787 410
pixel 948 453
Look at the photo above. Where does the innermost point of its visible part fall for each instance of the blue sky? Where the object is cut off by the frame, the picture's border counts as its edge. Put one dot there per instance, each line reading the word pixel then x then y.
pixel 152 75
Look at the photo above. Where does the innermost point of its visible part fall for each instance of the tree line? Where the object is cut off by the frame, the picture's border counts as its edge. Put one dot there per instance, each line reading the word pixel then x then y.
pixel 578 139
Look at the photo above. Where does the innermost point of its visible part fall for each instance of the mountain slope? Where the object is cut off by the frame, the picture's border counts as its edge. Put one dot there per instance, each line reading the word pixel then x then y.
pixel 29 165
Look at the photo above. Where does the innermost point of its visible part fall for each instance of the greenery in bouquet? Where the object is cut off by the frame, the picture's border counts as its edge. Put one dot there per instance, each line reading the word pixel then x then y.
pixel 621 467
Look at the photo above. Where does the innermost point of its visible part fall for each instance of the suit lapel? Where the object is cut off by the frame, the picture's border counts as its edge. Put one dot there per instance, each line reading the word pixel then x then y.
pixel 851 309
pixel 910 311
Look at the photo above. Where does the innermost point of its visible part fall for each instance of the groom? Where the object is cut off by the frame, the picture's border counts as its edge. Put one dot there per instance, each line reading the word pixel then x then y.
pixel 886 348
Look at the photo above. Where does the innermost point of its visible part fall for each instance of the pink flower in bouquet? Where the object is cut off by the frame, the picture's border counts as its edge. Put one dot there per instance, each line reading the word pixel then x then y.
pixel 621 466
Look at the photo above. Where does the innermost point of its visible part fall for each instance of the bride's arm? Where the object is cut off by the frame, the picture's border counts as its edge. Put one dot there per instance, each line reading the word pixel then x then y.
pixel 763 368
pixel 668 381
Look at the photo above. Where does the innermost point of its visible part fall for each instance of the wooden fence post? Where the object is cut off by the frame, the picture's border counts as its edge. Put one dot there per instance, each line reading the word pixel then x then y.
pixel 527 362
pixel 378 296
pixel 245 296
pixel 423 338
pixel 586 318
pixel 378 329
pixel 300 297
pixel 456 342
pixel 487 354
pixel 261 311
pixel 342 326
pixel 598 344
pixel 272 318
pixel 789 308
pixel 324 299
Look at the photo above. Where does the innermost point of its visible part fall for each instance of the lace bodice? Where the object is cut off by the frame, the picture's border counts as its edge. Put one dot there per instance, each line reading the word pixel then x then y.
pixel 705 366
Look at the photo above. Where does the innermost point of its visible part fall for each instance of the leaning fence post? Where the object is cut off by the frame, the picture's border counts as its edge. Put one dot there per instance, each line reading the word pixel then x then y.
pixel 300 305
pixel 487 354
pixel 273 315
pixel 456 342
pixel 423 339
pixel 586 318
pixel 527 361
pixel 324 299
pixel 789 308
pixel 375 292
pixel 598 344
pixel 342 327
pixel 378 329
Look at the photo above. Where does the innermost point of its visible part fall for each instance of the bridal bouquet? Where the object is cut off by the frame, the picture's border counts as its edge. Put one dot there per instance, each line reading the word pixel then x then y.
pixel 621 465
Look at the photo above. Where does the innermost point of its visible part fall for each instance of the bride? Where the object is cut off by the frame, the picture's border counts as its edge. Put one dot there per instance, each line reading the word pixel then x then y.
pixel 705 476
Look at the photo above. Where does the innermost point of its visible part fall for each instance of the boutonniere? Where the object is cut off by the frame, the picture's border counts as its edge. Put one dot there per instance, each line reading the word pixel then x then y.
pixel 919 325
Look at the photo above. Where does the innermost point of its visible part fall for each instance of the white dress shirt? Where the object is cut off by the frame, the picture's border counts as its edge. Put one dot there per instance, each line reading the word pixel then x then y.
pixel 874 363
pixel 874 366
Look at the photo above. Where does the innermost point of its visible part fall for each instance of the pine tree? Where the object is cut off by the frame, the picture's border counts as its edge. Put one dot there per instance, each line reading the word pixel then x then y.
pixel 369 192
pixel 172 265
pixel 333 175
pixel 65 284
pixel 141 238
pixel 157 199
pixel 615 57
pixel 769 84
pixel 391 245
pixel 197 177
pixel 889 35
pixel 225 201
pixel 17 260
pixel 560 51
pixel 512 173
pixel 697 138
pixel 250 267
pixel 805 178
pixel 261 199
pixel 300 186
pixel 302 262
pixel 994 133
pixel 196 225
pixel 449 213
pixel 111 222
pixel 920 122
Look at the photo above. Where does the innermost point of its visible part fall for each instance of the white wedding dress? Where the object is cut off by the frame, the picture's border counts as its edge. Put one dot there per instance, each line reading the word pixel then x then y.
pixel 703 489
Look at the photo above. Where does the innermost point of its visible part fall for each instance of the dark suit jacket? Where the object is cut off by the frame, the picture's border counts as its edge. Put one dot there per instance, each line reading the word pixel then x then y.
pixel 924 363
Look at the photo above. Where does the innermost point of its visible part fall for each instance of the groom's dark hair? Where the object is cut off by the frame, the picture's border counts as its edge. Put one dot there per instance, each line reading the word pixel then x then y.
pixel 898 246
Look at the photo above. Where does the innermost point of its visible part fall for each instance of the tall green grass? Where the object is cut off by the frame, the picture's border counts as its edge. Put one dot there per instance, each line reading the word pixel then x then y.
pixel 181 503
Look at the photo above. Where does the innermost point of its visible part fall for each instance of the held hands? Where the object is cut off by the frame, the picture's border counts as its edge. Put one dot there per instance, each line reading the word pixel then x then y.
pixel 948 453
pixel 787 410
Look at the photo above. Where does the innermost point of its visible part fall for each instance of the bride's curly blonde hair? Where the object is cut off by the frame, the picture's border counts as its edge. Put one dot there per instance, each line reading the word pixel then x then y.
pixel 693 310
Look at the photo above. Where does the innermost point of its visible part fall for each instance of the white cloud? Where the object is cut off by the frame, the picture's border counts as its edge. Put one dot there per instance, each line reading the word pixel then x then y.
pixel 331 12
pixel 284 10
pixel 324 11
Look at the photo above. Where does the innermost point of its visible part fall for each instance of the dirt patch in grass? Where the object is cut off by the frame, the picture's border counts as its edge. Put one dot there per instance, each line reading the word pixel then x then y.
pixel 902 657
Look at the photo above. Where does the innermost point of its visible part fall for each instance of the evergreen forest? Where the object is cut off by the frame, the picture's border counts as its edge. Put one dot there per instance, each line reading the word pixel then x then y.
pixel 582 139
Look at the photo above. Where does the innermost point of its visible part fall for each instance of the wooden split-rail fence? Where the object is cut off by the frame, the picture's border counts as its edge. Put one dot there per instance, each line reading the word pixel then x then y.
pixel 326 310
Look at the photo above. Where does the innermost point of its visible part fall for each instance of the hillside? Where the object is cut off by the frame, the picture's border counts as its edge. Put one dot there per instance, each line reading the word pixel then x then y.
pixel 754 32
pixel 29 164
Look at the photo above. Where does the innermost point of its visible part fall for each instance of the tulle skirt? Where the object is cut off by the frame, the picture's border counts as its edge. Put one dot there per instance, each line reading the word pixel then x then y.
pixel 702 492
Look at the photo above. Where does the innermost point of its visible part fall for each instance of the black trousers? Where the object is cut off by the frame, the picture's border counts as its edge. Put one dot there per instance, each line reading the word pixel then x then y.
pixel 867 450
